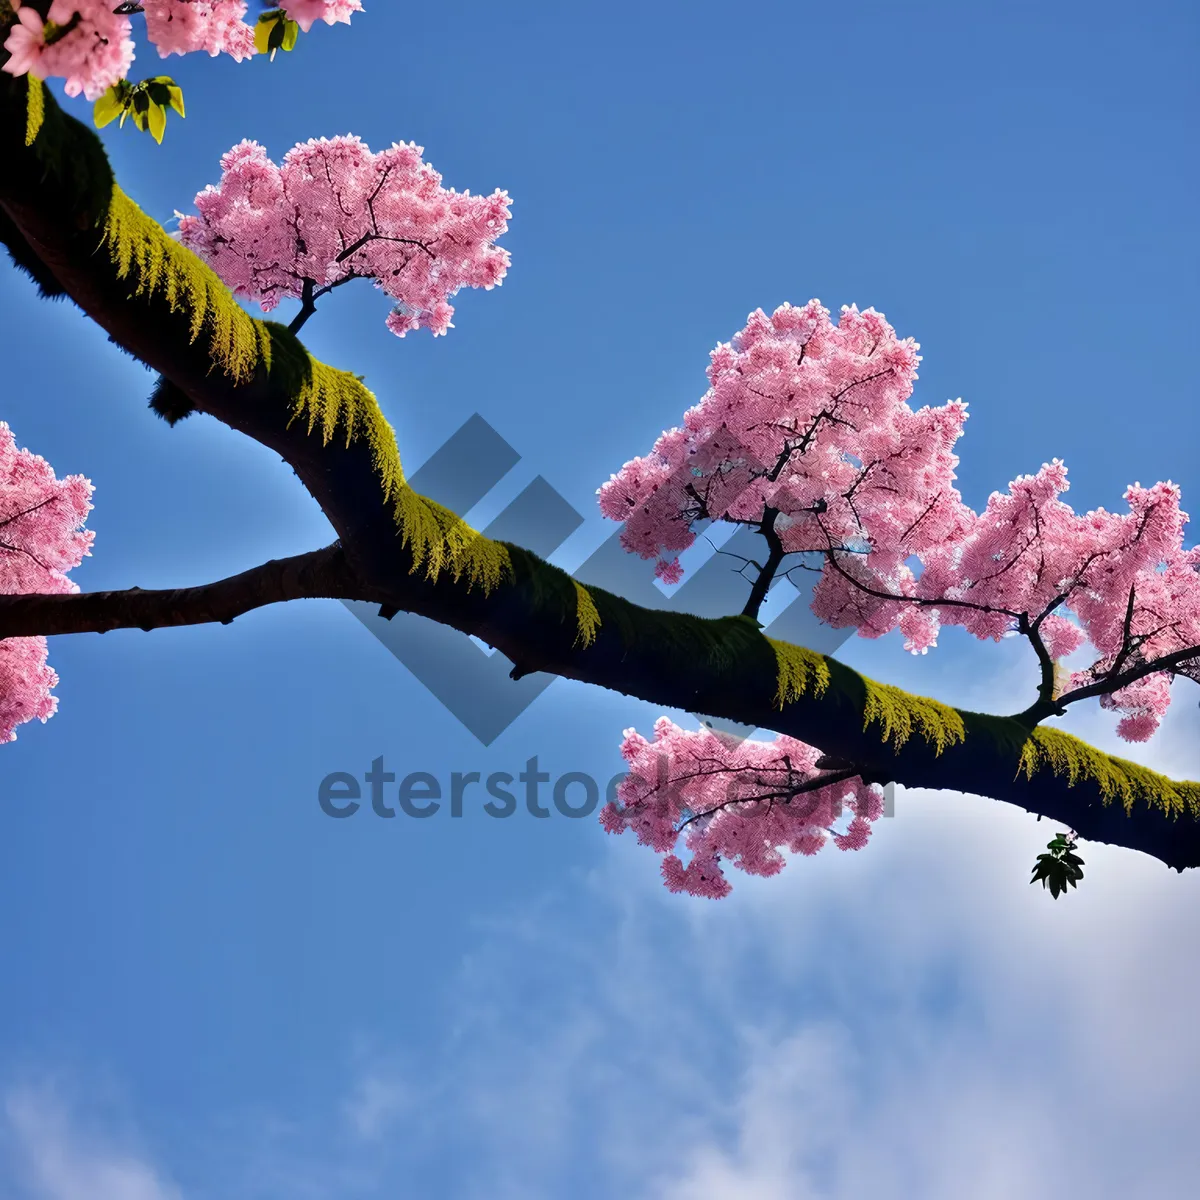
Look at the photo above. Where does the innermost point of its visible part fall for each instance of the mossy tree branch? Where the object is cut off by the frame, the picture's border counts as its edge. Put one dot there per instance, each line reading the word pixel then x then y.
pixel 57 196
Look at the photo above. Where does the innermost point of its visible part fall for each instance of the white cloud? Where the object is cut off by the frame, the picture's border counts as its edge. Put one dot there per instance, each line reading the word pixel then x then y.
pixel 56 1159
pixel 374 1105
pixel 911 1020
pixel 976 1037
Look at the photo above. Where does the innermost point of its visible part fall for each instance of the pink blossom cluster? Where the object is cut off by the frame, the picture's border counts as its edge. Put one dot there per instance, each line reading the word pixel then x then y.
pixel 334 211
pixel 214 26
pixel 41 538
pixel 806 433
pixel 307 12
pixel 733 801
pixel 1132 587
pixel 90 44
pixel 808 419
pixel 91 55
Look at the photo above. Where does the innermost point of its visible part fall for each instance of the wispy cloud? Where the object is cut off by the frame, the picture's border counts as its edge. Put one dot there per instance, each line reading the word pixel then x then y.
pixel 912 1020
pixel 375 1104
pixel 53 1156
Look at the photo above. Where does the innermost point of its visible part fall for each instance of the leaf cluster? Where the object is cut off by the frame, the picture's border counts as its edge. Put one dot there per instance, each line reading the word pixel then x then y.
pixel 1060 867
pixel 273 31
pixel 146 102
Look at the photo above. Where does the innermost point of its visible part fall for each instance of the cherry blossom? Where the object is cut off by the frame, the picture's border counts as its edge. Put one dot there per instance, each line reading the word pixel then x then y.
pixel 86 43
pixel 41 538
pixel 333 211
pixel 214 26
pixel 307 12
pixel 89 43
pixel 743 802
pixel 1127 579
pixel 806 436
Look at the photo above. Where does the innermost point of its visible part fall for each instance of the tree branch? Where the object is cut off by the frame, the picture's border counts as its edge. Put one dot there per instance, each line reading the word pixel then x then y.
pixel 320 574
pixel 1033 632
pixel 308 306
pixel 766 575
pixel 785 795
pixel 55 195
pixel 1114 683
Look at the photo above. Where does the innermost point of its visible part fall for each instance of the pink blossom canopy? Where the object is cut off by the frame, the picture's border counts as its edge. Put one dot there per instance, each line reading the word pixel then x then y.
pixel 806 435
pixel 334 211
pixel 41 538
pixel 732 800
pixel 807 424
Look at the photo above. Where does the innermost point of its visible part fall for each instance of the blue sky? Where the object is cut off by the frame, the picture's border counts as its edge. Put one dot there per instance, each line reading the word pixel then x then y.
pixel 212 990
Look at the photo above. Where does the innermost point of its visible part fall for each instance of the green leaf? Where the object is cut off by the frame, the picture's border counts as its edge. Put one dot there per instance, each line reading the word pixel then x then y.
pixel 108 108
pixel 275 31
pixel 156 116
pixel 176 98
pixel 262 32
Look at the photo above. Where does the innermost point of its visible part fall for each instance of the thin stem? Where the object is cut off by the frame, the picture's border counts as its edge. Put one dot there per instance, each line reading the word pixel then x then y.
pixel 784 797
pixel 776 555
pixel 307 306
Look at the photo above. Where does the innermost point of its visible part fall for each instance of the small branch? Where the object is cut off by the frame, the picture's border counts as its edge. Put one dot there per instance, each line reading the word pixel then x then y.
pixel 859 382
pixel 776 555
pixel 784 797
pixel 320 574
pixel 337 283
pixel 307 306
pixel 1045 662
pixel 310 294
pixel 383 237
pixel 21 550
pixel 26 511
pixel 1127 642
pixel 1114 683
pixel 920 601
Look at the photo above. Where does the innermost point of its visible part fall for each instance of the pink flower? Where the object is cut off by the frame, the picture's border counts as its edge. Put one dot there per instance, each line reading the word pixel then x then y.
pixel 25 685
pixel 306 12
pixel 351 214
pixel 214 26
pixel 669 572
pixel 812 421
pixel 731 803
pixel 25 43
pixel 98 49
pixel 95 52
pixel 1062 637
pixel 41 538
